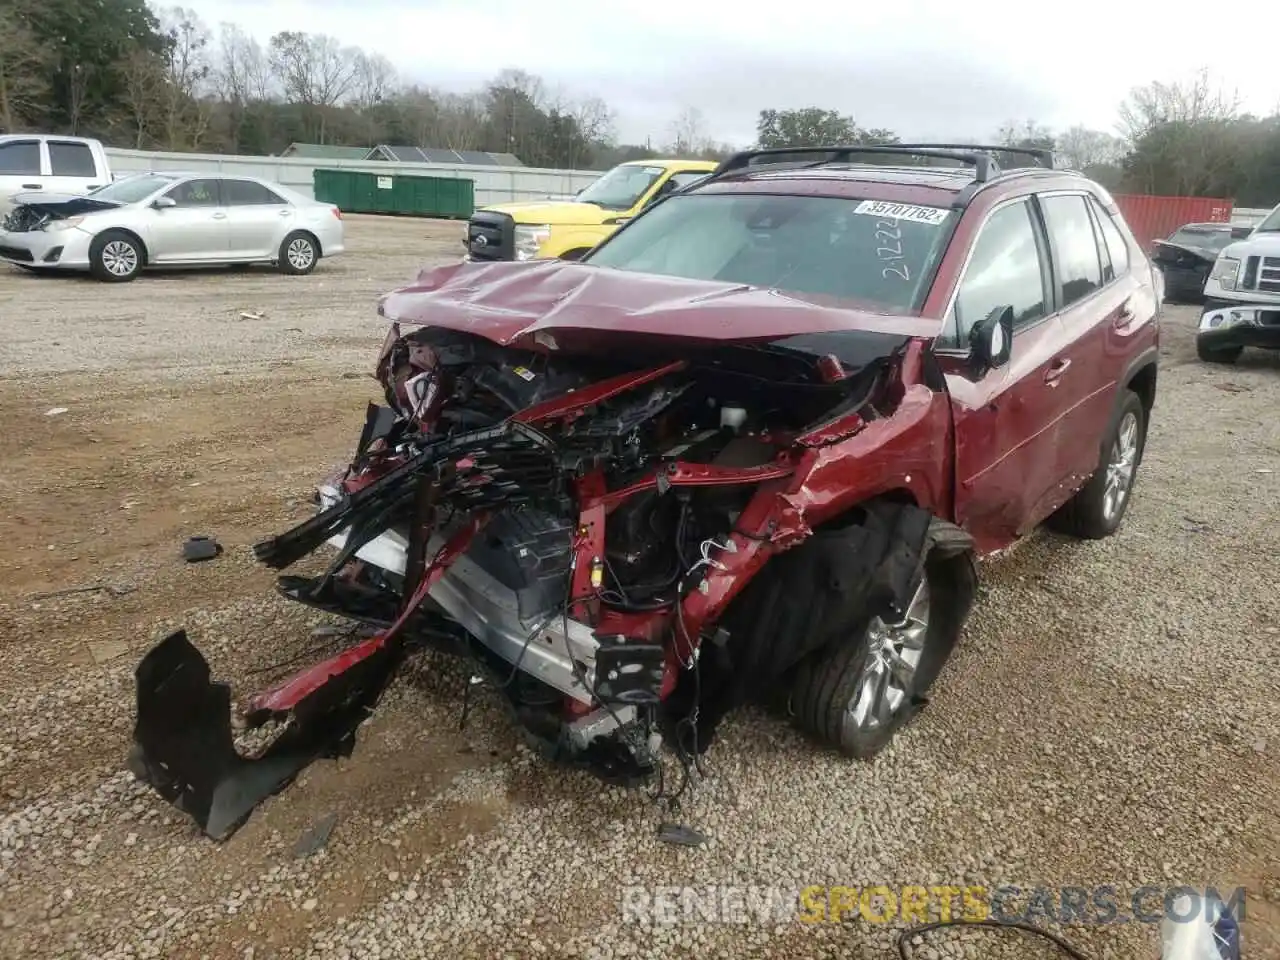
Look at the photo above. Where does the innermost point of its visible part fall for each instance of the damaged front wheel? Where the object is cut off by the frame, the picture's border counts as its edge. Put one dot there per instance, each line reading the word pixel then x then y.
pixel 857 692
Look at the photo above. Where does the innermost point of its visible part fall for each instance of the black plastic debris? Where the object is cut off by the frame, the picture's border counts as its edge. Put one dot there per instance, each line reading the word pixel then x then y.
pixel 200 548
pixel 316 836
pixel 680 835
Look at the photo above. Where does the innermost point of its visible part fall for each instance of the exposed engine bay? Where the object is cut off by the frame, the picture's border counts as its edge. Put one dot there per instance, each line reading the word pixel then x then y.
pixel 35 211
pixel 576 525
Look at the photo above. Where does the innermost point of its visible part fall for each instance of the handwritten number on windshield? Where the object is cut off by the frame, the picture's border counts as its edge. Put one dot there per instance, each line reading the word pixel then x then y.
pixel 889 234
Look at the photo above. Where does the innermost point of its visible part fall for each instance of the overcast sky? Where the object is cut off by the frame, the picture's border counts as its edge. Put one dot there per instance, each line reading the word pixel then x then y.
pixel 924 68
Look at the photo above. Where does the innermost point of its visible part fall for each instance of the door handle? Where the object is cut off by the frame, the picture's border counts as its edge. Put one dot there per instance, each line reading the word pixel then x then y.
pixel 1056 370
pixel 286 213
pixel 33 186
pixel 219 216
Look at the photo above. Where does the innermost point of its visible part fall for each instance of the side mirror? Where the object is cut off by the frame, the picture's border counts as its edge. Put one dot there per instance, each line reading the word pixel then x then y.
pixel 661 193
pixel 163 203
pixel 991 339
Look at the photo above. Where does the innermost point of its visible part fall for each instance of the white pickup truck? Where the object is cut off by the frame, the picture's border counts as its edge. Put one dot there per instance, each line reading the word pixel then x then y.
pixel 50 164
pixel 1242 296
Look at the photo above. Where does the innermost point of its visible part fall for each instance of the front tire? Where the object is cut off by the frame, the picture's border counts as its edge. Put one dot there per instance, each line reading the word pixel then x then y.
pixel 1099 506
pixel 1217 354
pixel 299 254
pixel 115 257
pixel 857 691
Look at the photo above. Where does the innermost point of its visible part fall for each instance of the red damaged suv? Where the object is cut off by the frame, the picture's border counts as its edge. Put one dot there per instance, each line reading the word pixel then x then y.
pixel 747 449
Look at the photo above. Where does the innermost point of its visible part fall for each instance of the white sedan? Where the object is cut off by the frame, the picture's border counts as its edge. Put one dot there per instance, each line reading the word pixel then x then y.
pixel 170 219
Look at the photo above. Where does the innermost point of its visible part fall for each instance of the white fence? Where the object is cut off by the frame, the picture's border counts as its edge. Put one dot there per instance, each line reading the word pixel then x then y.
pixel 492 184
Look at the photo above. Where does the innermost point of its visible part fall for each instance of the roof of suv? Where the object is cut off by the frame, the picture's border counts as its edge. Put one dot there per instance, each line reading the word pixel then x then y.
pixel 840 174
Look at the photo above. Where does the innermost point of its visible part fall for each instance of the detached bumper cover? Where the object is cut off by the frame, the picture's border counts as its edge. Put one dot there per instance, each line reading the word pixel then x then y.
pixel 1224 324
pixel 184 744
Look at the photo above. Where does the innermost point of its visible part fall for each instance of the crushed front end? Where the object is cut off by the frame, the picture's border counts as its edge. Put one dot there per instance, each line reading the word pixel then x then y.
pixel 575 524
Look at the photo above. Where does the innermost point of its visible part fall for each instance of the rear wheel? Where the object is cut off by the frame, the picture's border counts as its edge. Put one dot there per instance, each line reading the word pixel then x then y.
pixel 115 257
pixel 298 254
pixel 1218 354
pixel 1098 507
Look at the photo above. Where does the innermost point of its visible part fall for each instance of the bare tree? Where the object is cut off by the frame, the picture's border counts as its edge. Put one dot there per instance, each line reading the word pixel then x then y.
pixel 187 74
pixel 142 74
pixel 461 122
pixel 315 71
pixel 596 121
pixel 79 76
pixel 689 133
pixel 243 75
pixel 1081 148
pixel 1191 101
pixel 1180 135
pixel 24 69
pixel 1025 133
pixel 375 80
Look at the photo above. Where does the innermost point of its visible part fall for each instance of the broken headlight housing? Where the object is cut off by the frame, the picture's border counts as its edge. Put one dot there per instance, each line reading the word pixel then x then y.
pixel 530 238
pixel 1225 271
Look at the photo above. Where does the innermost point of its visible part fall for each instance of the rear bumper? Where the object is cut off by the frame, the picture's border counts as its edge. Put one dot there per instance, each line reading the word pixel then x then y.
pixel 1227 324
pixel 52 249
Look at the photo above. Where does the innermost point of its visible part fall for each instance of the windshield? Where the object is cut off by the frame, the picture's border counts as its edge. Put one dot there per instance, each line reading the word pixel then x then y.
pixel 1202 237
pixel 864 250
pixel 1271 224
pixel 621 188
pixel 131 189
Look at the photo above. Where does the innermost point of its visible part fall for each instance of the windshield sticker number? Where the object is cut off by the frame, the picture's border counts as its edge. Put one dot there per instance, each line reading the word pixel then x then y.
pixel 933 216
pixel 889 236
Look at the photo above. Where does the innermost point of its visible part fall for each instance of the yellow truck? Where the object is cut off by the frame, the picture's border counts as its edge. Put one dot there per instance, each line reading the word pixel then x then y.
pixel 567 229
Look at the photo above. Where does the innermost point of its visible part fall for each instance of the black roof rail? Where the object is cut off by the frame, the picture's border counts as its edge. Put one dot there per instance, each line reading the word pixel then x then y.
pixel 984 165
pixel 1042 155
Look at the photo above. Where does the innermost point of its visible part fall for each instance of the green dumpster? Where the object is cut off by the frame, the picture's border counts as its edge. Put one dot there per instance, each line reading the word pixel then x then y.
pixel 355 191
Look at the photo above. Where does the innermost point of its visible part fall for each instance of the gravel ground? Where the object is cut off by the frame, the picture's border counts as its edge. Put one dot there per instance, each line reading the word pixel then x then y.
pixel 1110 718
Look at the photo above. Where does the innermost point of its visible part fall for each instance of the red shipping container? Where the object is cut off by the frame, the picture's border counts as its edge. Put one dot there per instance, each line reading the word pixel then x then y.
pixel 1154 218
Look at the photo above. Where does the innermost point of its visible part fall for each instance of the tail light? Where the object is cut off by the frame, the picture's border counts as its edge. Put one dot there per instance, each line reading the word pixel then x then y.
pixel 336 212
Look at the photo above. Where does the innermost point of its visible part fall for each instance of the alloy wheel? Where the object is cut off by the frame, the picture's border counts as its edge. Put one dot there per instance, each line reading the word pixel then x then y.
pixel 893 657
pixel 301 254
pixel 119 258
pixel 1120 466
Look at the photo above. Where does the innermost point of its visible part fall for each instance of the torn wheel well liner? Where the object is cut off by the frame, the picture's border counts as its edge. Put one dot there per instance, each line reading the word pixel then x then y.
pixel 816 594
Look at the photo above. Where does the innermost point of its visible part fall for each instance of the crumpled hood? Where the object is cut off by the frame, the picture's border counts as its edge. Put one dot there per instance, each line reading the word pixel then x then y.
pixel 554 212
pixel 552 301
pixel 1205 253
pixel 61 204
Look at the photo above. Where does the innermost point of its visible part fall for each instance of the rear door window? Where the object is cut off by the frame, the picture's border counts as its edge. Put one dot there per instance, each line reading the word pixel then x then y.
pixel 68 159
pixel 1117 249
pixel 243 193
pixel 20 158
pixel 1076 260
pixel 1006 269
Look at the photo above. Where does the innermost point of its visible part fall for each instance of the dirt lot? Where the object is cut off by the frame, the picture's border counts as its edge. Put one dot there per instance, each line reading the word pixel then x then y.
pixel 1110 718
